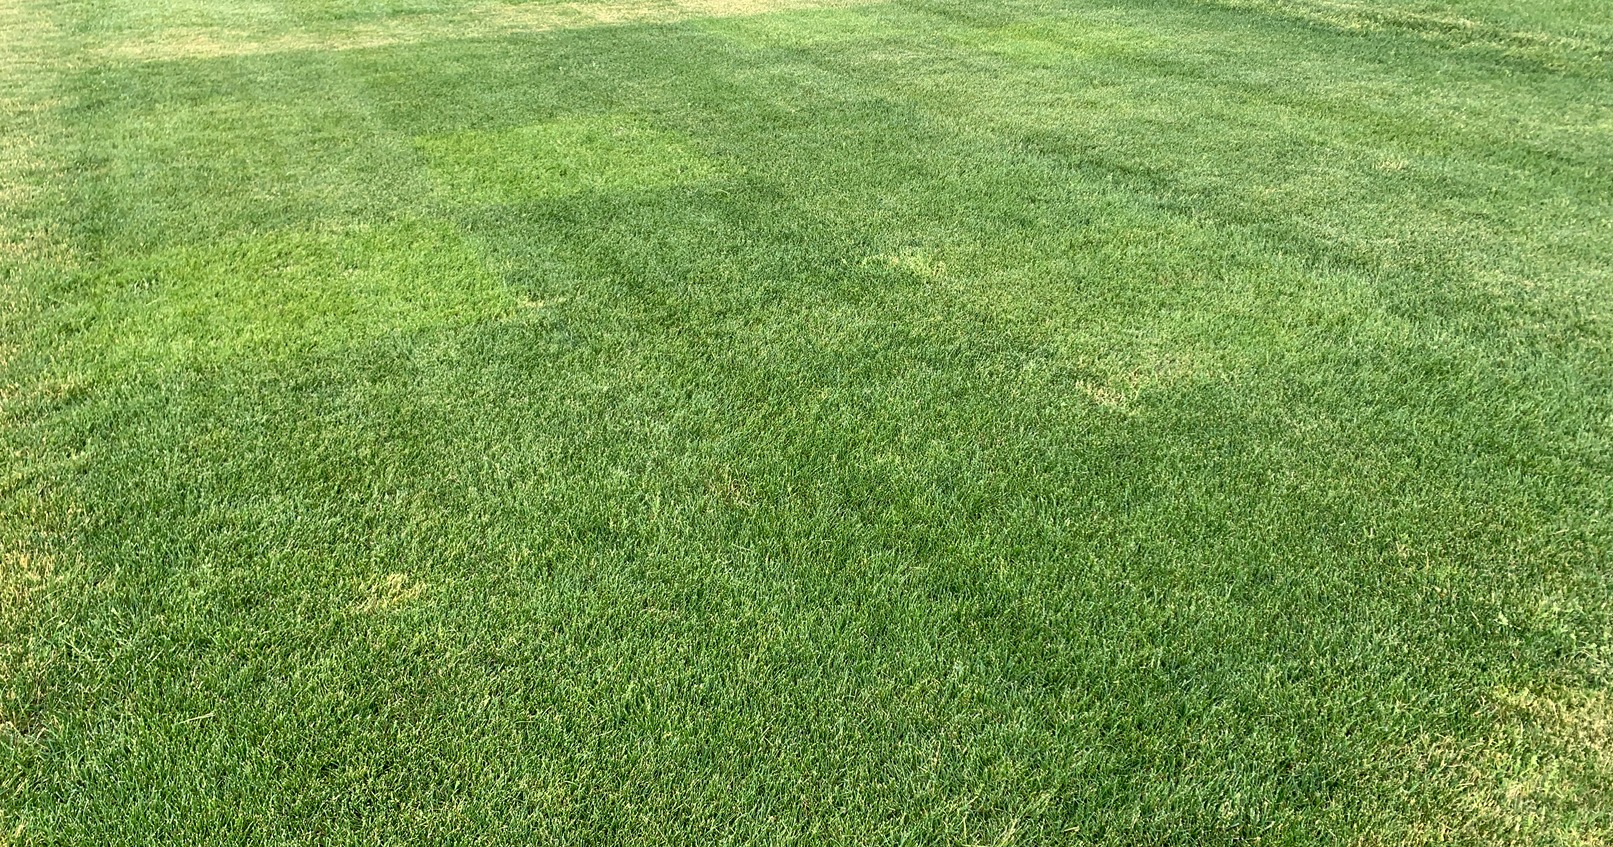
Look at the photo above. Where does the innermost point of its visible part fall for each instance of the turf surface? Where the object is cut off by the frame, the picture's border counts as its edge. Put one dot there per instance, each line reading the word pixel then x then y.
pixel 777 421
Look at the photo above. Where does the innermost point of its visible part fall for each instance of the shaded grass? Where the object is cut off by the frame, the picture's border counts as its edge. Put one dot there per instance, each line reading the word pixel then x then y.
pixel 1135 422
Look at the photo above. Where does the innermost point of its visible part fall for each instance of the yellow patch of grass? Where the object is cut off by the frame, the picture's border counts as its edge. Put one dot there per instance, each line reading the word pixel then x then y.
pixel 916 263
pixel 390 592
pixel 1543 776
pixel 22 573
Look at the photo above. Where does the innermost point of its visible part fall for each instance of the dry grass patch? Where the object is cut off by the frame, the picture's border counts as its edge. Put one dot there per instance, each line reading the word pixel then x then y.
pixel 27 574
pixel 390 592
pixel 487 20
pixel 26 106
pixel 1543 775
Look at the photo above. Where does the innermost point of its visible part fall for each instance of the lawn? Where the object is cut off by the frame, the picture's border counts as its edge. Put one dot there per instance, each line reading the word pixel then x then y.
pixel 806 421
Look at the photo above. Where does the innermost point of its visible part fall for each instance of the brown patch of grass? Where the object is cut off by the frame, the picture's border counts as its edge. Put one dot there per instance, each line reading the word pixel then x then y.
pixel 26 575
pixel 488 20
pixel 22 573
pixel 729 489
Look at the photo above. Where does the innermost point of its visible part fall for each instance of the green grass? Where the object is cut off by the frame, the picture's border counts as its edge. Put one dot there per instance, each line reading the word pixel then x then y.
pixel 762 422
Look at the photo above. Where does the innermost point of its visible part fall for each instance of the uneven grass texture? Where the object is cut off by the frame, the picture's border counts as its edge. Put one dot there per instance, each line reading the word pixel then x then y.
pixel 787 422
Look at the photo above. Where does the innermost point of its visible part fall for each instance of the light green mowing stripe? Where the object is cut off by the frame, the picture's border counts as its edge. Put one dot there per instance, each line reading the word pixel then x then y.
pixel 555 159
